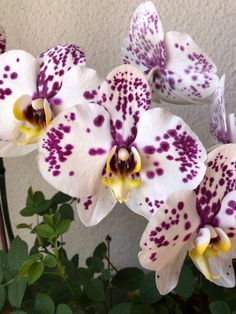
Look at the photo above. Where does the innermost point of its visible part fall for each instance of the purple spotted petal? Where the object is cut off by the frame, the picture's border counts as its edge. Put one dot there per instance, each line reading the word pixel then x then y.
pixel 219 180
pixel 18 76
pixel 218 124
pixel 54 63
pixel 2 40
pixel 169 231
pixel 172 159
pixel 93 209
pixel 189 75
pixel 144 47
pixel 74 149
pixel 125 94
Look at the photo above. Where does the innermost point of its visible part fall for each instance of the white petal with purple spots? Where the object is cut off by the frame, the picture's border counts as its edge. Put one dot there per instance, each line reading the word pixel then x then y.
pixel 54 63
pixel 74 149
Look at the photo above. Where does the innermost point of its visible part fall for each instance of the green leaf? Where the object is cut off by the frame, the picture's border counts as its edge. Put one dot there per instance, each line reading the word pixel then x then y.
pixel 100 251
pixel 24 226
pixel 186 284
pixel 95 290
pixel 162 309
pixel 128 278
pixel 148 289
pixel 63 309
pixel 95 263
pixel 47 219
pixel 62 227
pixel 17 254
pixel 35 272
pixel 60 198
pixel 18 312
pixel 29 200
pixel 219 307
pixel 25 267
pixel 2 296
pixel 50 261
pixel 75 260
pixel 44 304
pixel 84 275
pixel 106 275
pixel 124 308
pixel 16 291
pixel 66 212
pixel 142 308
pixel 45 231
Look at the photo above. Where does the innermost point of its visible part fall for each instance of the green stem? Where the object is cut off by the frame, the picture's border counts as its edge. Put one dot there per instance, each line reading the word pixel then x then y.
pixel 59 265
pixel 4 202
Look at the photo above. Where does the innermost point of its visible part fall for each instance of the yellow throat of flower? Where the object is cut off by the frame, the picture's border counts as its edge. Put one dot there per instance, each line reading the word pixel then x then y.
pixel 122 167
pixel 35 115
pixel 217 242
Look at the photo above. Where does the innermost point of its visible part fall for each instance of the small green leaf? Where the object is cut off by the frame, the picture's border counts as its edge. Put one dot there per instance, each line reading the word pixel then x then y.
pixel 75 260
pixel 62 227
pixel 148 289
pixel 66 212
pixel 16 291
pixel 63 309
pixel 95 263
pixel 60 198
pixel 84 275
pixel 17 254
pixel 45 231
pixel 47 219
pixel 50 261
pixel 2 296
pixel 100 251
pixel 18 312
pixel 106 275
pixel 124 308
pixel 128 278
pixel 35 272
pixel 95 290
pixel 44 304
pixel 142 308
pixel 219 307
pixel 186 284
pixel 24 226
pixel 25 267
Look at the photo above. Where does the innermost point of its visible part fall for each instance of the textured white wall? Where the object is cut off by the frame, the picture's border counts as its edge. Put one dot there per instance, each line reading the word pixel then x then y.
pixel 99 27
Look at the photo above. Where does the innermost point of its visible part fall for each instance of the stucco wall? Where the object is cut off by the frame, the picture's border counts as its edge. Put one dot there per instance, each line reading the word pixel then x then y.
pixel 99 27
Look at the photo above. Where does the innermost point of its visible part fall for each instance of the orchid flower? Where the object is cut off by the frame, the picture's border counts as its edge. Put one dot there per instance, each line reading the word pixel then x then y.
pixel 224 129
pixel 2 40
pixel 34 90
pixel 201 223
pixel 119 150
pixel 178 70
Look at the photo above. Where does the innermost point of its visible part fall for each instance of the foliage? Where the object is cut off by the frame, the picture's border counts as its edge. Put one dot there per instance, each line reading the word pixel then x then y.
pixel 44 280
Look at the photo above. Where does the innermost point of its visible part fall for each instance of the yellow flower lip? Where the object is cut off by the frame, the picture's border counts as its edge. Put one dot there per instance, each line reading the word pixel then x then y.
pixel 122 167
pixel 208 243
pixel 34 116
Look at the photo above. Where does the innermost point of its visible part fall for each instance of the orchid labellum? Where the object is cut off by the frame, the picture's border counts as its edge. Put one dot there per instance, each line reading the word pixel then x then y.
pixel 33 90
pixel 2 40
pixel 222 127
pixel 178 70
pixel 201 223
pixel 120 150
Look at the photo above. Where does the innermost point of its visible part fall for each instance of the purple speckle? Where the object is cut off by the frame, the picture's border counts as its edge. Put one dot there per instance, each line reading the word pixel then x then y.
pixel 98 121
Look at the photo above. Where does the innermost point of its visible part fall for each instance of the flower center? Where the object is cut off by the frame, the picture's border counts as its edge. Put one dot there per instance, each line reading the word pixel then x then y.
pixel 35 115
pixel 122 168
pixel 209 242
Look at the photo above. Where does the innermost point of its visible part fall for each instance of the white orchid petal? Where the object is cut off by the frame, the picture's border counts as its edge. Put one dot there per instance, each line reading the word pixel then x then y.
pixel 93 209
pixel 218 124
pixel 144 47
pixel 12 149
pixel 74 148
pixel 231 123
pixel 222 265
pixel 169 231
pixel 80 85
pixel 172 159
pixel 167 279
pixel 54 63
pixel 189 75
pixel 18 76
pixel 125 94
pixel 2 40
pixel 218 181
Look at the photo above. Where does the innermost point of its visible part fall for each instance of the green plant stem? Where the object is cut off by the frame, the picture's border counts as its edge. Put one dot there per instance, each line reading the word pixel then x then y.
pixel 3 191
pixel 3 232
pixel 59 265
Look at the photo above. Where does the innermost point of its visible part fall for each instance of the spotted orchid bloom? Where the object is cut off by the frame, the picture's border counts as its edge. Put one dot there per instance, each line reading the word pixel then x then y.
pixel 120 150
pixel 177 69
pixel 201 223
pixel 224 129
pixel 34 90
pixel 2 40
